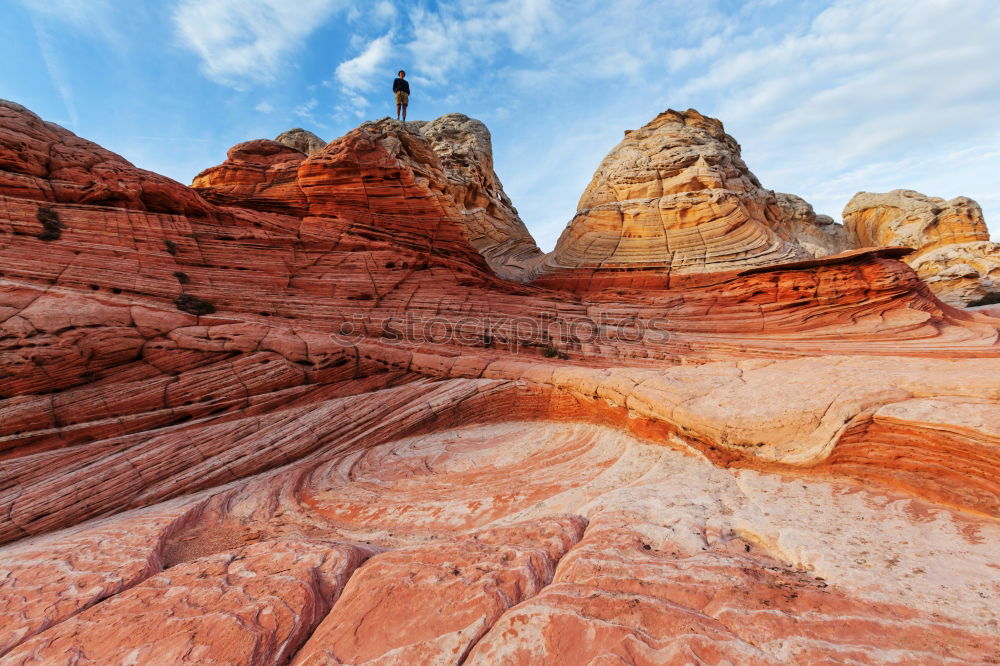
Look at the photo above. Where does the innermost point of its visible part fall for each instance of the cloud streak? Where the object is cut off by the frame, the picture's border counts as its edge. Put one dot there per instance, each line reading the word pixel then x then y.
pixel 866 96
pixel 241 42
pixel 358 73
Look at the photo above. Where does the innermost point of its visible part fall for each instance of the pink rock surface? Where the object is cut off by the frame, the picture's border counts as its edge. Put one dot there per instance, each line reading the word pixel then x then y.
pixel 640 603
pixel 216 402
pixel 431 604
pixel 254 605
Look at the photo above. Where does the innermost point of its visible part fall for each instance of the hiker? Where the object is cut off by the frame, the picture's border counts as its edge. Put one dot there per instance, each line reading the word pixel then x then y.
pixel 402 90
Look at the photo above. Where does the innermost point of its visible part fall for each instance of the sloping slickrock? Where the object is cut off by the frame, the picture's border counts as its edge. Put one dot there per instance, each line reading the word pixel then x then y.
pixel 53 578
pixel 648 601
pixel 255 605
pixel 953 255
pixel 946 447
pixel 310 355
pixel 301 140
pixel 673 197
pixel 44 162
pixel 430 604
pixel 821 568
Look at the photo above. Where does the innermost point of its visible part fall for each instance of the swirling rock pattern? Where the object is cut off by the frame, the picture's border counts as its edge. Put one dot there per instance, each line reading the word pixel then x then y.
pixel 491 222
pixel 353 441
pixel 673 197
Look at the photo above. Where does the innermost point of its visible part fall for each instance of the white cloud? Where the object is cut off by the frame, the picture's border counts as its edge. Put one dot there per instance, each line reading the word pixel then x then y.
pixel 51 20
pixel 305 110
pixel 264 107
pixel 360 72
pixel 241 42
pixel 866 96
pixel 90 17
pixel 384 10
pixel 59 80
pixel 461 36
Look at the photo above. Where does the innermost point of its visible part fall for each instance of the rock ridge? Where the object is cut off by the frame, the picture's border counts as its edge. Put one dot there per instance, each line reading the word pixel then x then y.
pixel 372 444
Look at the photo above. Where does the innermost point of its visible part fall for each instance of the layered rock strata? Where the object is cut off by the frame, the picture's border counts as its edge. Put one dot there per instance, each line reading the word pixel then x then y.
pixel 491 222
pixel 953 255
pixel 818 235
pixel 351 440
pixel 672 198
pixel 301 140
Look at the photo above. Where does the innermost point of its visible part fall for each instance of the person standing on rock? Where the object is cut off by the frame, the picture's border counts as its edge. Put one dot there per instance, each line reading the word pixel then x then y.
pixel 402 90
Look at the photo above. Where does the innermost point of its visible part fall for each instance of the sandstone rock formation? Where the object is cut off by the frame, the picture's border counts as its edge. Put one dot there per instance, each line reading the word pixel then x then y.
pixel 44 162
pixel 818 235
pixel 672 198
pixel 953 255
pixel 258 174
pixel 374 448
pixel 301 140
pixel 492 224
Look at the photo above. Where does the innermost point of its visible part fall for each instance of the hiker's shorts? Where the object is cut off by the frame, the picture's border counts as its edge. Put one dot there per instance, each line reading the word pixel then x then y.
pixel 402 98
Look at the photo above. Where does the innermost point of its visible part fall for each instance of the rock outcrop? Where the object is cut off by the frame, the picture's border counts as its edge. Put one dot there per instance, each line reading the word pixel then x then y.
pixel 672 198
pixel 259 174
pixel 301 140
pixel 44 162
pixel 292 414
pixel 491 222
pixel 816 234
pixel 953 255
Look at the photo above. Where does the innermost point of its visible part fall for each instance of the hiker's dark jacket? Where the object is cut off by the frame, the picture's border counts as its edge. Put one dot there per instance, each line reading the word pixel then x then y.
pixel 401 84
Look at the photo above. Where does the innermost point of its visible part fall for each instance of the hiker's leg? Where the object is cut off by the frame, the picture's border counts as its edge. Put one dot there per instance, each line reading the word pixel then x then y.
pixel 404 113
pixel 398 107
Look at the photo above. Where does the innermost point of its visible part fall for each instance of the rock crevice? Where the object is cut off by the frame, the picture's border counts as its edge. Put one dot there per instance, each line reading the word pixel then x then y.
pixel 395 386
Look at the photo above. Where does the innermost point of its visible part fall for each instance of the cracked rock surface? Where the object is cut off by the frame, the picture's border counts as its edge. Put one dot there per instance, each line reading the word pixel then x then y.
pixel 401 436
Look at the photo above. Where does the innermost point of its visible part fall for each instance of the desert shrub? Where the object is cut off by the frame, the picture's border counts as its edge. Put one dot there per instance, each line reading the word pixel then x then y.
pixel 194 305
pixel 551 351
pixel 52 226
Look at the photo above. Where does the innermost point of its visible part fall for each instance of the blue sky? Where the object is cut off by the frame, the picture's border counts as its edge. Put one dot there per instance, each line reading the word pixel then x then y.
pixel 827 97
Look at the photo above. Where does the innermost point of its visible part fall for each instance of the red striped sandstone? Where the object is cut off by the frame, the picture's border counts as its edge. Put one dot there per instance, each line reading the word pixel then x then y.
pixel 368 385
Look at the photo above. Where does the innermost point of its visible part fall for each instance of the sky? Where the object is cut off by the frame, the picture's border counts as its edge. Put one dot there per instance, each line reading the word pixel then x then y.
pixel 826 97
